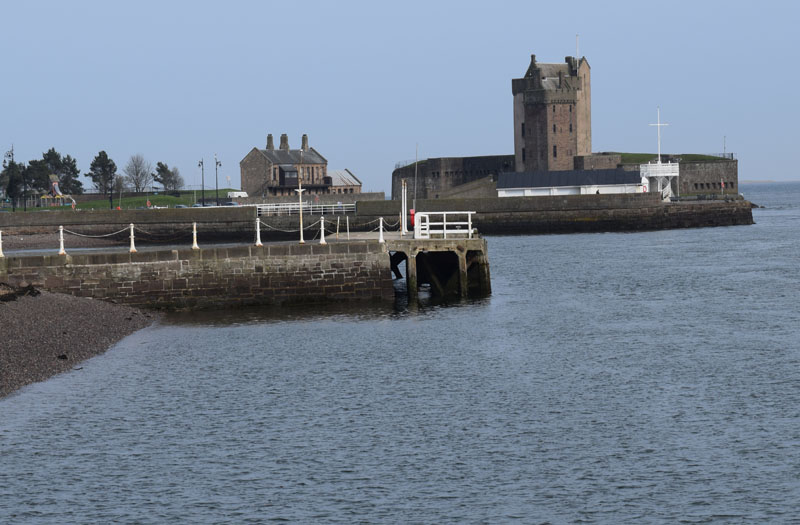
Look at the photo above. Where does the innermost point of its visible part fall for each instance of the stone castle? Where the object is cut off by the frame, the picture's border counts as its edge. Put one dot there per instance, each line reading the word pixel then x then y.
pixel 552 106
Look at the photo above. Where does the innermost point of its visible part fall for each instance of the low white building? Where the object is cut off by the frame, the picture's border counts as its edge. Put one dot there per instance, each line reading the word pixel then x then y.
pixel 569 182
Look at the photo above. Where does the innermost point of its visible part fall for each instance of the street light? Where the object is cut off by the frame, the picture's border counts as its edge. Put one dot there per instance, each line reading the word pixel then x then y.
pixel 217 164
pixel 201 165
pixel 299 191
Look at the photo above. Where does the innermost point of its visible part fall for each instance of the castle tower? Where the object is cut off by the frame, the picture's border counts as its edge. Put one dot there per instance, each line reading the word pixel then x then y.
pixel 552 115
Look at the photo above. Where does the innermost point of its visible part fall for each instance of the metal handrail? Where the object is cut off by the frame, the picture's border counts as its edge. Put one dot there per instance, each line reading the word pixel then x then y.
pixel 425 228
pixel 309 208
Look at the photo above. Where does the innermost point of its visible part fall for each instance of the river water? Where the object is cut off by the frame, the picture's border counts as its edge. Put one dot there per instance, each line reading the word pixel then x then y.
pixel 609 378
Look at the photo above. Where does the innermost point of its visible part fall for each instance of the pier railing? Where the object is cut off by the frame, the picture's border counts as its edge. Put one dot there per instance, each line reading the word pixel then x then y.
pixel 443 224
pixel 308 208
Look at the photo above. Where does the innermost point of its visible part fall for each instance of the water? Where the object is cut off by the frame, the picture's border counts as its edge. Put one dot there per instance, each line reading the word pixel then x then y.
pixel 610 378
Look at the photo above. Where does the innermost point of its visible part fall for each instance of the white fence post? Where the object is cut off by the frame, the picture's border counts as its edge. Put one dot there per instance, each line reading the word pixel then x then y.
pixel 337 228
pixel 194 237
pixel 1 244
pixel 322 229
pixel 469 224
pixel 380 226
pixel 61 250
pixel 133 248
pixel 347 219
pixel 258 232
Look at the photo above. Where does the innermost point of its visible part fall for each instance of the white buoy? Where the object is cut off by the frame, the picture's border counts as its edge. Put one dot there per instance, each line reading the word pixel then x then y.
pixel 133 247
pixel 61 250
pixel 322 230
pixel 258 232
pixel 194 237
pixel 380 226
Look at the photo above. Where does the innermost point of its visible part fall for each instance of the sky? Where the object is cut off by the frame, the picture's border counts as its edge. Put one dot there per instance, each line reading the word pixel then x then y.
pixel 371 81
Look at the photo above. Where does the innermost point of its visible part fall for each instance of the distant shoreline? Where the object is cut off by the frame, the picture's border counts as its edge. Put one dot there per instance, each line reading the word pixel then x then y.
pixel 764 181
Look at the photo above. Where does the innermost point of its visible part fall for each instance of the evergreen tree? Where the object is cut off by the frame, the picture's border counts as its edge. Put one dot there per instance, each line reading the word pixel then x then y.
pixel 37 176
pixel 13 181
pixel 66 169
pixel 102 171
pixel 170 179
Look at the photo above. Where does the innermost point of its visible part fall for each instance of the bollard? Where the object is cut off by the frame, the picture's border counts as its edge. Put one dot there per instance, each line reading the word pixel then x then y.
pixel 1 244
pixel 322 229
pixel 61 250
pixel 194 237
pixel 133 248
pixel 380 226
pixel 347 220
pixel 337 228
pixel 258 232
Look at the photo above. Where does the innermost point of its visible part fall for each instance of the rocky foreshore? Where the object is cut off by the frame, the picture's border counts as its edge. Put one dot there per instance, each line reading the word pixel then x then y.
pixel 43 334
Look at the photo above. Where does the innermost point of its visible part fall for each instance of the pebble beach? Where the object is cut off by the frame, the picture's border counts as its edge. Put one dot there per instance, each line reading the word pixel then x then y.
pixel 46 334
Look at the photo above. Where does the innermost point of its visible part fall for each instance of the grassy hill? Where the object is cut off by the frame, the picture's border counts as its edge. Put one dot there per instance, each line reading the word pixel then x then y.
pixel 643 158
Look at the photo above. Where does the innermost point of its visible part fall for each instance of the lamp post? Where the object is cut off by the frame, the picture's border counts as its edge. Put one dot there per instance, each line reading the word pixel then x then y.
pixel 299 191
pixel 217 164
pixel 201 165
pixel 111 192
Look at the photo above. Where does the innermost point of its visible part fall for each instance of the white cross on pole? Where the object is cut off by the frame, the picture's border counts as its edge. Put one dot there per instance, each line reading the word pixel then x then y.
pixel 658 126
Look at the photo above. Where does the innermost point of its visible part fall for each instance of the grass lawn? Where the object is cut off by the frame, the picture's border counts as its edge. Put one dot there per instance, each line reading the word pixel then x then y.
pixel 643 158
pixel 187 198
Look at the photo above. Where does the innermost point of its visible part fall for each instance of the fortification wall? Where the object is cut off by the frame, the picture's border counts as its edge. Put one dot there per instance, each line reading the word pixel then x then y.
pixel 437 175
pixel 274 274
pixel 578 213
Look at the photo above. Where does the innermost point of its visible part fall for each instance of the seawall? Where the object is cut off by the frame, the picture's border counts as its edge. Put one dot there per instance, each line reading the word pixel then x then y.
pixel 578 213
pixel 214 277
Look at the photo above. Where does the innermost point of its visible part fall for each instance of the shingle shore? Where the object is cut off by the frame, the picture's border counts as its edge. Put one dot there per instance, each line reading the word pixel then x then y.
pixel 51 333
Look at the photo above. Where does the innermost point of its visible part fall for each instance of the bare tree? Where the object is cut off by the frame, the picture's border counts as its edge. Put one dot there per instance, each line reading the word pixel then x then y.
pixel 138 173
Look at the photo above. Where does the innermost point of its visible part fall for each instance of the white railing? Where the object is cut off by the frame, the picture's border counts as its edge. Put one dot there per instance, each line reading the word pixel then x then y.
pixel 659 170
pixel 308 208
pixel 441 224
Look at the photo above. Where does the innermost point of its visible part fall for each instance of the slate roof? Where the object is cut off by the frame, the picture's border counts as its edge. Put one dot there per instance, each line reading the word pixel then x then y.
pixel 551 179
pixel 292 156
pixel 343 178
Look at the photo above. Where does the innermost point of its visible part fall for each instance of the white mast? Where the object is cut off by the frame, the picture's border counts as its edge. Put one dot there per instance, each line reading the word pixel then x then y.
pixel 658 126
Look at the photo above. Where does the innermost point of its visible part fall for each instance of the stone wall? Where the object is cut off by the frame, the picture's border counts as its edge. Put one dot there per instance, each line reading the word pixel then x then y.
pixel 597 161
pixel 577 213
pixel 698 178
pixel 274 274
pixel 437 175
pixel 701 177
pixel 333 198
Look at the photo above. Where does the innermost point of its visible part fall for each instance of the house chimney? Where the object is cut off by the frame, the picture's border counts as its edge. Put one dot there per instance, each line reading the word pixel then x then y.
pixel 284 142
pixel 270 144
pixel 304 147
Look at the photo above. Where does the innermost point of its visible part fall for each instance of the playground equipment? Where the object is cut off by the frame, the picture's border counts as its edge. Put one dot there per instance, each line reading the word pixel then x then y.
pixel 58 198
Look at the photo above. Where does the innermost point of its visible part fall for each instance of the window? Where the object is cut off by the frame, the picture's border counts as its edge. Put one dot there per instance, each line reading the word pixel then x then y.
pixel 570 127
pixel 523 154
pixel 554 108
pixel 554 128
pixel 555 151
pixel 523 129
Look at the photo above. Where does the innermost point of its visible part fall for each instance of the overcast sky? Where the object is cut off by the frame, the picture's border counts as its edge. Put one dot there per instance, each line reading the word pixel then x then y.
pixel 180 81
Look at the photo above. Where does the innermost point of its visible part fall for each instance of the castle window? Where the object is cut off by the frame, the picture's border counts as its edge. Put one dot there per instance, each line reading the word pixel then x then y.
pixel 554 108
pixel 554 128
pixel 523 154
pixel 523 129
pixel 570 127
pixel 555 151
